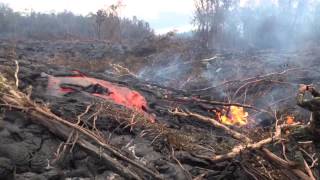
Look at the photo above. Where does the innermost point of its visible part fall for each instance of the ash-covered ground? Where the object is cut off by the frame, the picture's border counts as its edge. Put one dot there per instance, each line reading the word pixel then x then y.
pixel 168 79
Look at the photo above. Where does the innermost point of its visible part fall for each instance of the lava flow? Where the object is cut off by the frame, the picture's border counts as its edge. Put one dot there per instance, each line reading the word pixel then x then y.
pixel 100 88
pixel 233 116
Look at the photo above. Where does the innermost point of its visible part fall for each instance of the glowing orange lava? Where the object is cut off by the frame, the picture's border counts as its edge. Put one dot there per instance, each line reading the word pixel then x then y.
pixel 290 119
pixel 117 94
pixel 234 116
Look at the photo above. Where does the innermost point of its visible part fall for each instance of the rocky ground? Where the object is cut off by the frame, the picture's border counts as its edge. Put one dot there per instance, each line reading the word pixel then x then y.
pixel 183 149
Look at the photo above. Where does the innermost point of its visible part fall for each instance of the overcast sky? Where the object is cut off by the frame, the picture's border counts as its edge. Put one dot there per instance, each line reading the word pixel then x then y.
pixel 163 15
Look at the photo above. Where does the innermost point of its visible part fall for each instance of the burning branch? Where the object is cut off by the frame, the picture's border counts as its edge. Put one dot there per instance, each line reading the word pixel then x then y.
pixel 214 122
pixel 248 143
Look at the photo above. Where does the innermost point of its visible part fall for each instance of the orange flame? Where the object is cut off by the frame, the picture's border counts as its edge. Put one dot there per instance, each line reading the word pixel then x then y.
pixel 290 119
pixel 235 116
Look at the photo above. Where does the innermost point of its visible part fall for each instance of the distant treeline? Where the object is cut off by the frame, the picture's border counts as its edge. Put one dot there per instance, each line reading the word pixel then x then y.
pixel 102 25
pixel 220 24
pixel 224 24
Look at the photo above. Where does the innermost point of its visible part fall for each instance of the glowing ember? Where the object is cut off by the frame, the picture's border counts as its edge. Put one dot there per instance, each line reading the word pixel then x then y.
pixel 234 116
pixel 290 119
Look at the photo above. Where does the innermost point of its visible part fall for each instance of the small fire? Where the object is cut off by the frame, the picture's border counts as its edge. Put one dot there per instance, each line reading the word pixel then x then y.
pixel 233 116
pixel 290 119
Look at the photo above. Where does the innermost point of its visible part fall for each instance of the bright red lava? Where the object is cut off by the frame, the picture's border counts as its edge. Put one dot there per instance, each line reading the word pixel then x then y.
pixel 117 94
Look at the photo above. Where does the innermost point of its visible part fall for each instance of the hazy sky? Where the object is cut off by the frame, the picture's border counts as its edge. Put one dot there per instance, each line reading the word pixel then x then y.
pixel 163 15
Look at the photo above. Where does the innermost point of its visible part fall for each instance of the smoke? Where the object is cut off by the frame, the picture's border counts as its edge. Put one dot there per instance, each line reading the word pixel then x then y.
pixel 167 70
pixel 278 37
pixel 263 24
pixel 281 24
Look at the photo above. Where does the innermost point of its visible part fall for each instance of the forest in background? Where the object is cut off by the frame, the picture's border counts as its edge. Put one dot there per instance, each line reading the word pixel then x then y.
pixel 267 24
pixel 105 24
pixel 218 24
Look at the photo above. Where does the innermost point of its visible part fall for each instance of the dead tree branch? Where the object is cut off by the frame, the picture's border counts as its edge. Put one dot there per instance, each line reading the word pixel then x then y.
pixel 215 123
pixel 62 127
pixel 16 73
pixel 248 144
pixel 309 171
pixel 252 78
pixel 223 103
pixel 63 131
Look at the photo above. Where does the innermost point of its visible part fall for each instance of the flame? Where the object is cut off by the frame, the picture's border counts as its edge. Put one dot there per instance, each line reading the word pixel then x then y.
pixel 234 116
pixel 290 119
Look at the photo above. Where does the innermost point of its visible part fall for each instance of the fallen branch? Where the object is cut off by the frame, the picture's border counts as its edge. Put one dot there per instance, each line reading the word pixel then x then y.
pixel 62 128
pixel 285 164
pixel 215 123
pixel 252 78
pixel 307 167
pixel 63 131
pixel 222 103
pixel 16 73
pixel 249 145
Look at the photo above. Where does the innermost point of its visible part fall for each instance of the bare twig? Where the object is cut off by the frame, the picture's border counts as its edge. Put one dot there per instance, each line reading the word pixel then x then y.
pixel 265 170
pixel 178 162
pixel 16 73
pixel 284 152
pixel 245 85
pixel 248 172
pixel 251 78
pixel 288 165
pixel 309 171
pixel 154 139
pixel 84 113
pixel 223 103
pixel 312 157
pixel 62 148
pixel 201 176
pixel 305 142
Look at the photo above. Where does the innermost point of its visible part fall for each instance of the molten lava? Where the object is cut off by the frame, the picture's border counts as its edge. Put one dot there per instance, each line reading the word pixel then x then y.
pixel 103 89
pixel 233 116
pixel 290 119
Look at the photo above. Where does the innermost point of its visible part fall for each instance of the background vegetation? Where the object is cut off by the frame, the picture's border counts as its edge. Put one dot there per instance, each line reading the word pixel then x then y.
pixel 219 24
pixel 102 25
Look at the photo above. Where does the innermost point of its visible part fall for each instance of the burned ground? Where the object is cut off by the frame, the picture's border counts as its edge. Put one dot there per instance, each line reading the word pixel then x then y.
pixel 181 144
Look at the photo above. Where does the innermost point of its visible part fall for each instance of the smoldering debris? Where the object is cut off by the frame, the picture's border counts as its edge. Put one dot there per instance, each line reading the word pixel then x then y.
pixel 196 132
